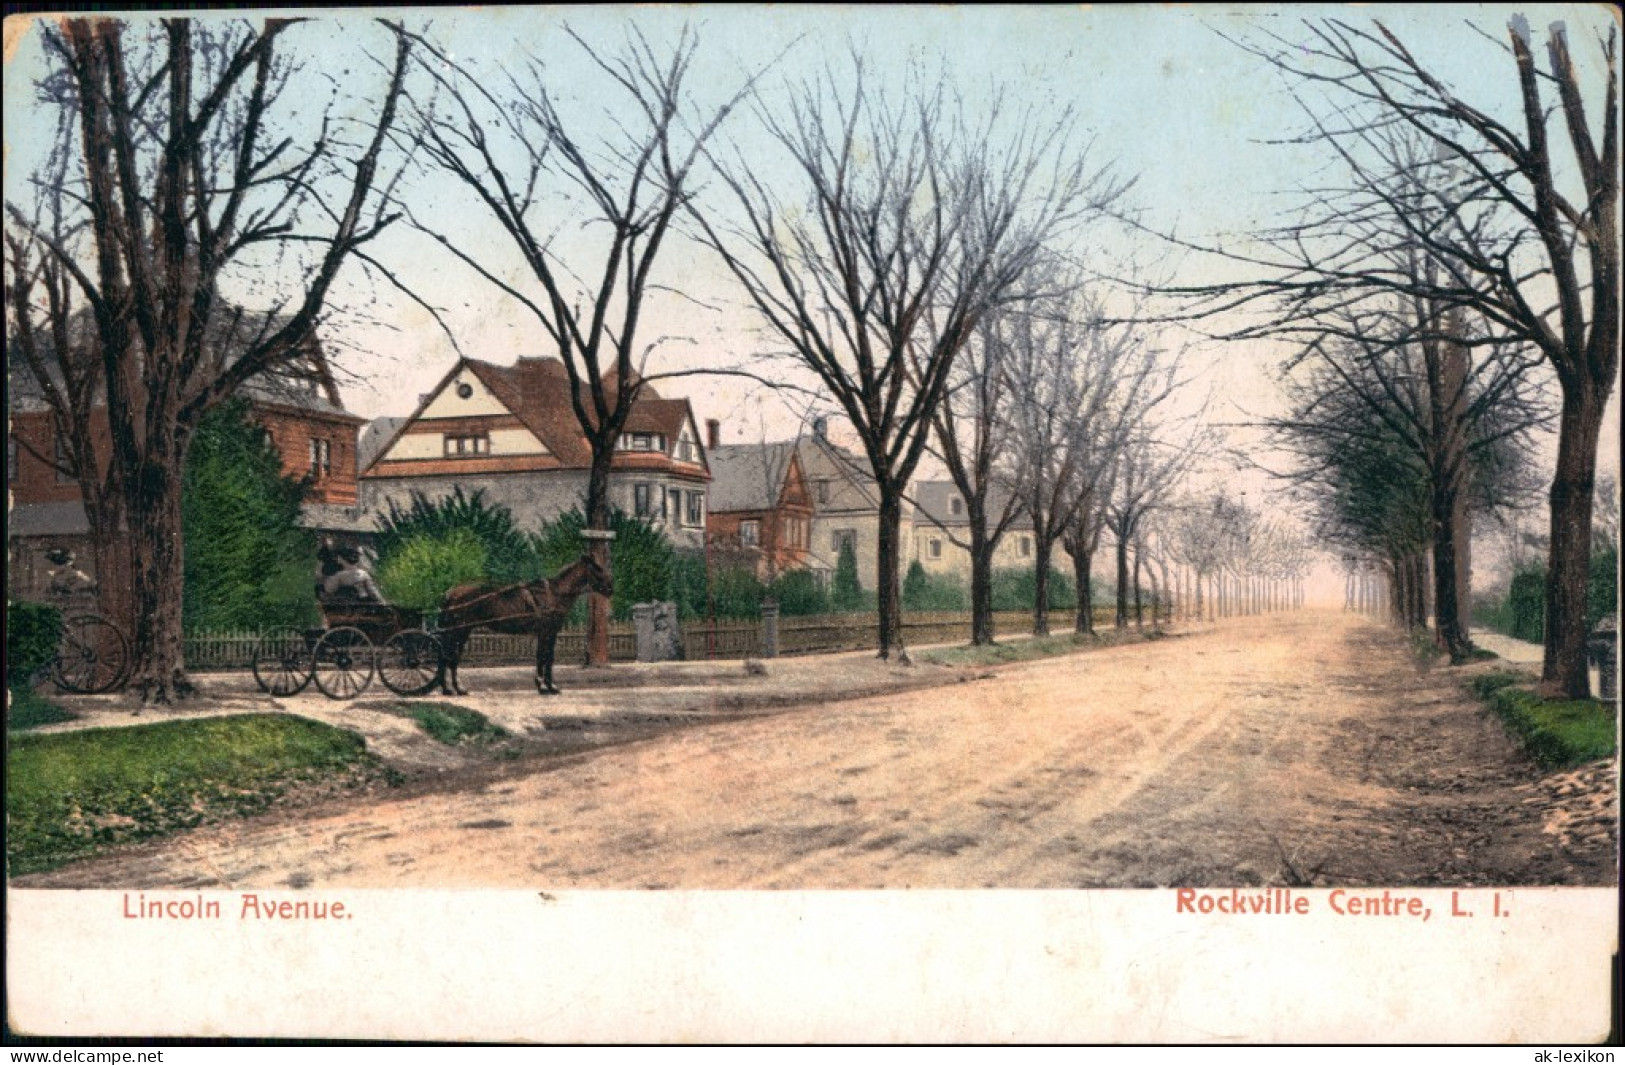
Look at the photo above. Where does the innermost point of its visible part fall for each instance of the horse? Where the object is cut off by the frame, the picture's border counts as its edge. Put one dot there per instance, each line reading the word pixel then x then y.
pixel 537 606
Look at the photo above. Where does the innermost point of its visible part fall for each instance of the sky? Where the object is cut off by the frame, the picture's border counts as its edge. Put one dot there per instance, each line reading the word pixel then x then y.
pixel 1163 95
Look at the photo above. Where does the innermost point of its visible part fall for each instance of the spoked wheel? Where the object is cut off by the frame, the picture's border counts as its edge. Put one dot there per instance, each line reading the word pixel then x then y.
pixel 409 664
pixel 344 663
pixel 283 663
pixel 92 657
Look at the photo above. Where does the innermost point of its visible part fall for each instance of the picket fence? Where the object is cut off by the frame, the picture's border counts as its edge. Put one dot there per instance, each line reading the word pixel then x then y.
pixel 702 639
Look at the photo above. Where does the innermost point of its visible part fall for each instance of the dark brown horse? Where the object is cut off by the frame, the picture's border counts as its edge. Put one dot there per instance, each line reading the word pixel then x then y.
pixel 539 607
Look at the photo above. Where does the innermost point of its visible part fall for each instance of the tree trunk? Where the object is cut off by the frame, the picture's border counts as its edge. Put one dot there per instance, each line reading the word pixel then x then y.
pixel 889 580
pixel 1122 581
pixel 1449 512
pixel 157 562
pixel 1139 603
pixel 598 606
pixel 1568 571
pixel 1043 547
pixel 1083 579
pixel 981 584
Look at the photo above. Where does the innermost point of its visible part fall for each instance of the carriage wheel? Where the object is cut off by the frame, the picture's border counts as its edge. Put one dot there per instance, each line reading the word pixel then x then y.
pixel 283 664
pixel 344 663
pixel 92 657
pixel 410 663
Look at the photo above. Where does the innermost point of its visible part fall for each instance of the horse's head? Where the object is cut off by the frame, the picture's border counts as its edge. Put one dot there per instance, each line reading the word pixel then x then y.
pixel 598 579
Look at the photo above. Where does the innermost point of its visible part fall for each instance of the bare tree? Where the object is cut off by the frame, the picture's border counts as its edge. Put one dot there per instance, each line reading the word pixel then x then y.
pixel 504 137
pixel 907 225
pixel 973 430
pixel 181 173
pixel 1086 386
pixel 1527 242
pixel 1148 469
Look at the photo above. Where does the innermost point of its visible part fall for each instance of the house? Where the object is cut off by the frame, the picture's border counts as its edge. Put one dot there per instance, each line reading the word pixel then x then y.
pixel 942 526
pixel 846 507
pixel 297 406
pixel 760 506
pixel 510 433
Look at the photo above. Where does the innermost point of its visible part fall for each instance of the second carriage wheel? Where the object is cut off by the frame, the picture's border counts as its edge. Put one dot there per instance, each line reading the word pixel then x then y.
pixel 92 656
pixel 283 663
pixel 345 661
pixel 409 664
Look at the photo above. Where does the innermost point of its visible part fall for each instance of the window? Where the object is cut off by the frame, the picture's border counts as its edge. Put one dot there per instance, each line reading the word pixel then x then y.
pixel 823 491
pixel 1024 546
pixel 935 547
pixel 463 445
pixel 685 450
pixel 696 508
pixel 643 500
pixel 750 533
pixel 956 506
pixel 643 442
pixel 844 536
pixel 11 458
pixel 321 457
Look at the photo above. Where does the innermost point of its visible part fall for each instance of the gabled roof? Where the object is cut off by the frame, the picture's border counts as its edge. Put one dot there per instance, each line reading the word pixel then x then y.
pixel 934 502
pixel 852 487
pixel 749 476
pixel 537 392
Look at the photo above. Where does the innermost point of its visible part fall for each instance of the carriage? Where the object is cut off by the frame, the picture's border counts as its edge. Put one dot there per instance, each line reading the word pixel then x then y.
pixel 363 637
pixel 358 640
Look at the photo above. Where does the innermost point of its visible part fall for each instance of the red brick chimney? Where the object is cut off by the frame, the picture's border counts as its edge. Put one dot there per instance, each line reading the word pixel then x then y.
pixel 713 434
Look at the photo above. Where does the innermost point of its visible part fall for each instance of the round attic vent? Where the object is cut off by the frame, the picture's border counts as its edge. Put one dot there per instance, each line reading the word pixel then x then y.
pixel 464 389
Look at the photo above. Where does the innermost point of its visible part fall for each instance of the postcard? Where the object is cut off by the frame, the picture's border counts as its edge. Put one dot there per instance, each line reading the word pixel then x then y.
pixel 979 524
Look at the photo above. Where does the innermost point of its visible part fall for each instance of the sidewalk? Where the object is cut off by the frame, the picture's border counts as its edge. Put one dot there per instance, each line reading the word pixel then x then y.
pixel 596 707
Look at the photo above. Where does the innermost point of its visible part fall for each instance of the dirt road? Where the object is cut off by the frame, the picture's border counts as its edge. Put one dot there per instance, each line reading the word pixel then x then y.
pixel 1294 749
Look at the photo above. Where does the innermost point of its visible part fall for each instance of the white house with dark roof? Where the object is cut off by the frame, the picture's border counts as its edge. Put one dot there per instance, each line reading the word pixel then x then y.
pixel 510 433
pixel 942 533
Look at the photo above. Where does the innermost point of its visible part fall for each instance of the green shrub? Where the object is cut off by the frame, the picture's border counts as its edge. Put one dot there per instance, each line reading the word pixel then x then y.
pixel 1558 733
pixel 1017 589
pixel 1526 605
pixel 846 592
pixel 419 571
pixel 510 554
pixel 924 592
pixel 736 592
pixel 248 563
pixel 800 594
pixel 1603 585
pixel 32 633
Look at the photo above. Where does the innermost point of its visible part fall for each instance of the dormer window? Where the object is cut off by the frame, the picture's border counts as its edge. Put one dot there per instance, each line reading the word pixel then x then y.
pixel 643 442
pixel 956 506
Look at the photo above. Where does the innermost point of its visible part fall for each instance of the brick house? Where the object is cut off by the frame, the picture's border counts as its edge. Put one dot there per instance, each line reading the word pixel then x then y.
pixel 510 433
pixel 761 509
pixel 298 406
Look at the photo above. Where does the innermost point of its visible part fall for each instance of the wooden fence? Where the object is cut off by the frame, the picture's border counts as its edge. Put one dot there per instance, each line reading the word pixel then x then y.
pixel 702 639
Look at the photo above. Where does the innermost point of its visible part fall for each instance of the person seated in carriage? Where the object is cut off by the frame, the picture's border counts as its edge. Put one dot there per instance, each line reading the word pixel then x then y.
pixel 67 581
pixel 342 577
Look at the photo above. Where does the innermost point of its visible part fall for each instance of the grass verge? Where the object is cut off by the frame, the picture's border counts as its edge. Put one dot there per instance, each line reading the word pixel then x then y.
pixel 26 709
pixel 69 794
pixel 451 724
pixel 1558 732
pixel 1028 648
